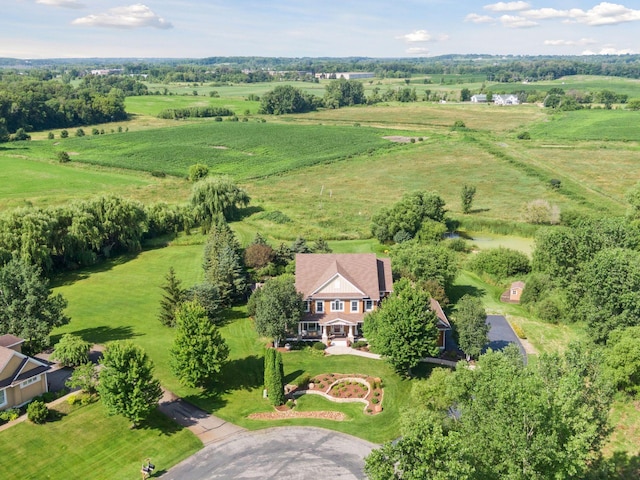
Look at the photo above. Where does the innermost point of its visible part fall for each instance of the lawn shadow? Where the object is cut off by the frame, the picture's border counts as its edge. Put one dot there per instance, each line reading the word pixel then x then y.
pixel 456 292
pixel 248 211
pixel 292 376
pixel 230 315
pixel 55 415
pixel 101 334
pixel 162 423
pixel 242 374
pixel 209 400
pixel 71 277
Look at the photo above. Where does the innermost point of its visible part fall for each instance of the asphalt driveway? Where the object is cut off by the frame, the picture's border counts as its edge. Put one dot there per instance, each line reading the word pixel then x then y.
pixel 501 334
pixel 280 452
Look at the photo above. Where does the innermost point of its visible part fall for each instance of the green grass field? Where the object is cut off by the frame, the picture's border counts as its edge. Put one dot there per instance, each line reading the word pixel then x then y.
pixel 86 443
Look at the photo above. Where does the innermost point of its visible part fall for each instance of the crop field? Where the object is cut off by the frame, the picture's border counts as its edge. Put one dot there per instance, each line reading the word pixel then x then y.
pixel 243 150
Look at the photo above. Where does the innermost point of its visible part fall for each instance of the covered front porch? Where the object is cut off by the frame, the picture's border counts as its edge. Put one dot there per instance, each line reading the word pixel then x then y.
pixel 335 332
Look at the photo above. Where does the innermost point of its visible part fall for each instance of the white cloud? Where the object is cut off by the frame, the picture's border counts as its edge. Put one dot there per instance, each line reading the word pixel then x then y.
pixel 514 21
pixel 475 18
pixel 417 51
pixel 570 43
pixel 417 37
pixel 132 16
pixel 610 51
pixel 545 13
pixel 507 6
pixel 61 3
pixel 604 13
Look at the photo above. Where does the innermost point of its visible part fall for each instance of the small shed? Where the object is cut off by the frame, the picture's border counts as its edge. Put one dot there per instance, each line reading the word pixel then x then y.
pixel 515 292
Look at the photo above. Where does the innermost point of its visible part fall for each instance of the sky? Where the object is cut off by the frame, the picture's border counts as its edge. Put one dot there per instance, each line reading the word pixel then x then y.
pixel 36 29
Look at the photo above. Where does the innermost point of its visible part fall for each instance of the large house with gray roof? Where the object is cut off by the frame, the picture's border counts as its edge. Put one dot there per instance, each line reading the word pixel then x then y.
pixel 21 377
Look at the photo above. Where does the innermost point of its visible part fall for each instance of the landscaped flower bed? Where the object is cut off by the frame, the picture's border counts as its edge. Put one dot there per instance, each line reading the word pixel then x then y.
pixel 339 387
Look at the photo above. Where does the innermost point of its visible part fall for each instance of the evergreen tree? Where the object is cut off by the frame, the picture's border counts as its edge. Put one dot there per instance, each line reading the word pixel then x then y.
pixel 274 376
pixel 223 264
pixel 466 196
pixel 174 295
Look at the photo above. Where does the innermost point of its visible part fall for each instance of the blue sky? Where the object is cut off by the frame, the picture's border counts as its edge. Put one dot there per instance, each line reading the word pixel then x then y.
pixel 320 28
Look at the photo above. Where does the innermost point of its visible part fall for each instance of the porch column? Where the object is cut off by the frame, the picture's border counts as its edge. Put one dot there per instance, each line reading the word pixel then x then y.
pixel 299 330
pixel 351 332
pixel 325 337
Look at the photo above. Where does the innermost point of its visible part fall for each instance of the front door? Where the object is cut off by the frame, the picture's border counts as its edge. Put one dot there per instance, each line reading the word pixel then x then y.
pixel 336 329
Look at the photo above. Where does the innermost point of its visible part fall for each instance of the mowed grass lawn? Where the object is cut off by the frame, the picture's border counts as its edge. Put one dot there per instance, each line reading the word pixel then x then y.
pixel 120 300
pixel 44 182
pixel 87 443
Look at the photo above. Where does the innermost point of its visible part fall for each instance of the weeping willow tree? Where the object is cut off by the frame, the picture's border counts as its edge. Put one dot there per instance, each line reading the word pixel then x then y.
pixel 218 197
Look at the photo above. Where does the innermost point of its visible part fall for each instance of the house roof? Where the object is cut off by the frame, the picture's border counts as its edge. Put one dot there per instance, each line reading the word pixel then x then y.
pixel 518 284
pixel 443 321
pixel 366 273
pixel 10 340
pixel 18 374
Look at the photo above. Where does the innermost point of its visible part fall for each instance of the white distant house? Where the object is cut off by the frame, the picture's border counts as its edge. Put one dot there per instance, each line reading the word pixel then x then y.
pixel 480 98
pixel 506 100
pixel 346 75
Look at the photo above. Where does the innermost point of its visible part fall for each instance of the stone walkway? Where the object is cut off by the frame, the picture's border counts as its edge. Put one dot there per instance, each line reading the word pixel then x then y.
pixel 350 351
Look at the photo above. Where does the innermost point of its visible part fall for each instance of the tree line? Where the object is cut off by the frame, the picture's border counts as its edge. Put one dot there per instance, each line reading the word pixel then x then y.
pixel 33 104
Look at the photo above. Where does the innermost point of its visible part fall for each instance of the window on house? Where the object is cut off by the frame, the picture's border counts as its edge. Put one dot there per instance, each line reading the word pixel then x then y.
pixel 3 398
pixel 337 306
pixel 368 305
pixel 30 381
pixel 514 292
pixel 354 306
pixel 319 306
pixel 307 306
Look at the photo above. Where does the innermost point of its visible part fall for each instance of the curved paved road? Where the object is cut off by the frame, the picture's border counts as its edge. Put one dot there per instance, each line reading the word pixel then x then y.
pixel 280 452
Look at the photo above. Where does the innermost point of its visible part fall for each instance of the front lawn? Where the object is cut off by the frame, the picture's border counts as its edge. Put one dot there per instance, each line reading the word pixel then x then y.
pixel 86 443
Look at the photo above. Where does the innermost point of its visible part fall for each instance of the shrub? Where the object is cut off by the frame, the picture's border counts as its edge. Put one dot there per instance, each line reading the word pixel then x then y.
pixel 37 412
pixel 197 172
pixel 73 399
pixel 413 140
pixel 48 397
pixel 303 381
pixel 500 263
pixel 319 346
pixel 218 119
pixel 51 136
pixel 541 212
pixel 548 310
pixel 518 331
pixel 80 132
pixel 290 404
pixel 276 217
pixel 95 131
pixel 524 136
pixel 457 244
pixel 20 135
pixel 555 183
pixel 359 344
pixel 63 157
pixel 159 174
pixel 9 415
pixel 64 134
pixel 71 350
pixel 375 401
pixel 459 124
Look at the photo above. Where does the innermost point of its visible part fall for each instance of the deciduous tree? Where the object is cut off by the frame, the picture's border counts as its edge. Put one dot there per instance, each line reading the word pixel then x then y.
pixel 471 326
pixel 71 350
pixel 199 351
pixel 404 329
pixel 278 307
pixel 127 386
pixel 28 309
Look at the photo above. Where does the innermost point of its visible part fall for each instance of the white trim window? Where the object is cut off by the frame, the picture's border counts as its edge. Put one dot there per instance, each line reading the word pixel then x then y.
pixel 337 306
pixel 30 381
pixel 368 305
pixel 319 306
pixel 307 306
pixel 355 307
pixel 3 398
